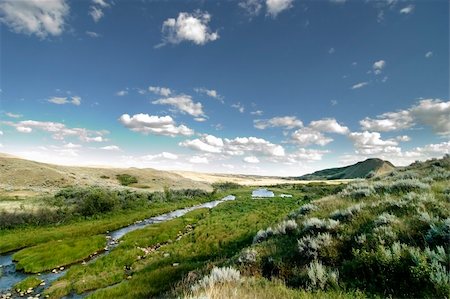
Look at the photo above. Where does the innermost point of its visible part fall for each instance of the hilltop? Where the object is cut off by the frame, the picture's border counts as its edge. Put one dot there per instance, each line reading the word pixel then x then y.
pixel 363 169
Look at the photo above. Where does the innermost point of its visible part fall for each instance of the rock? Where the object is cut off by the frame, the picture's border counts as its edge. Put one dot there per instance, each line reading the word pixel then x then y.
pixel 129 277
pixel 54 271
pixel 175 264
pixel 42 283
pixel 61 268
pixel 166 254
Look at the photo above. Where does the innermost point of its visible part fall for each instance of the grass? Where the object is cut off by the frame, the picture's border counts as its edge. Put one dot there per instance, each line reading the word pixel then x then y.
pixel 17 238
pixel 217 235
pixel 126 179
pixel 29 282
pixel 55 254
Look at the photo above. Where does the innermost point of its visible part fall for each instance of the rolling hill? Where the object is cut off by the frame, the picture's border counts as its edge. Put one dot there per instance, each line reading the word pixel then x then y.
pixel 359 170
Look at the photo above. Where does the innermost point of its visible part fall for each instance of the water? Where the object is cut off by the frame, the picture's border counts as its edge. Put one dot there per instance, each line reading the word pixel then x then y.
pixel 9 276
pixel 262 192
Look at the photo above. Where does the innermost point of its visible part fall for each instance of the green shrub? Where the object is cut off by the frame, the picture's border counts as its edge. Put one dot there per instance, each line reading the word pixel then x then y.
pixel 126 179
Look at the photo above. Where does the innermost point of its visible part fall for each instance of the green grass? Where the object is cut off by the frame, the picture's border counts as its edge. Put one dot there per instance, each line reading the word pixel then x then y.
pixel 17 238
pixel 126 179
pixel 29 282
pixel 55 254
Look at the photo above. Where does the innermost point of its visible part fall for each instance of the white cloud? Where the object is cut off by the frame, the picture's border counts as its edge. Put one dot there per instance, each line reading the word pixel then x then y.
pixel 111 148
pixel 378 66
pixel 251 160
pixel 188 27
pixel 162 91
pixel 370 143
pixel 274 7
pixel 75 100
pixel 71 145
pixel 307 136
pixel 92 34
pixel 199 160
pixel 234 147
pixel 206 143
pixel 429 54
pixel 210 92
pixel 257 112
pixel 331 51
pixel 163 155
pixel 252 7
pixel 41 18
pixel 431 112
pixel 150 124
pixel 359 85
pixel 1 133
pixel 334 102
pixel 329 125
pixel 239 107
pixel 184 104
pixel 407 9
pixel 59 131
pixel 288 122
pixel 13 115
pixel 96 9
pixel 338 1
pixel 121 93
pixel 403 138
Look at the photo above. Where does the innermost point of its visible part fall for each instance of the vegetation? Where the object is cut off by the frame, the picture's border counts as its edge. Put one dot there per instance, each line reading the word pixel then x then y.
pixel 387 236
pixel 28 283
pixel 365 169
pixel 55 254
pixel 126 179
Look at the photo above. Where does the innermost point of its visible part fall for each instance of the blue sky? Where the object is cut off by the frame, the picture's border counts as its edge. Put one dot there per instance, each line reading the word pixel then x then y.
pixel 278 87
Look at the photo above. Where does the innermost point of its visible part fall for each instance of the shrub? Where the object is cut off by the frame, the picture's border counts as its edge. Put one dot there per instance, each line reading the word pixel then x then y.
pixel 126 179
pixel 316 225
pixel 281 228
pixel 348 213
pixel 401 186
pixel 303 210
pixel 97 201
pixel 439 233
pixel 385 219
pixel 321 277
pixel 217 276
pixel 358 190
pixel 248 256
pixel 310 246
pixel 263 235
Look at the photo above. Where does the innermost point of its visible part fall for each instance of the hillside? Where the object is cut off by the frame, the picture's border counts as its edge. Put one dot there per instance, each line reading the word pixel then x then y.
pixel 359 170
pixel 20 177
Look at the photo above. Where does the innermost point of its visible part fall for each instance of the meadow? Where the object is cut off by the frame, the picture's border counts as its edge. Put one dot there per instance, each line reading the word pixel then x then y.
pixel 387 236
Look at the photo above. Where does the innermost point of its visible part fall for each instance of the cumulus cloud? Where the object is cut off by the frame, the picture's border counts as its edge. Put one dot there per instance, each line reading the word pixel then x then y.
pixel 92 34
pixel 122 93
pixel 257 112
pixel 111 148
pixel 432 112
pixel 370 143
pixel 359 85
pixel 211 93
pixel 429 54
pixel 41 18
pixel 162 91
pixel 308 136
pixel 251 160
pixel 13 115
pixel 75 100
pixel 288 122
pixel 274 7
pixel 378 66
pixel 184 104
pixel 96 9
pixel 407 9
pixel 199 160
pixel 58 131
pixel 251 7
pixel 150 124
pixel 163 155
pixel 234 147
pixel 191 27
pixel 329 125
pixel 239 107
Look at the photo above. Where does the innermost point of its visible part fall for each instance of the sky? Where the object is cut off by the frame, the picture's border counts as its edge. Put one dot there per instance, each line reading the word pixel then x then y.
pixel 269 87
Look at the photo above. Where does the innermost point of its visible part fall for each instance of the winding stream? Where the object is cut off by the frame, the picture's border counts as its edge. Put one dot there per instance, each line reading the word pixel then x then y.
pixel 9 276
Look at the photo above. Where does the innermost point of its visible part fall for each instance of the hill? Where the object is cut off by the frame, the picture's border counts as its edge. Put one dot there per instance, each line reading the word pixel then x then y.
pixel 361 169
pixel 20 177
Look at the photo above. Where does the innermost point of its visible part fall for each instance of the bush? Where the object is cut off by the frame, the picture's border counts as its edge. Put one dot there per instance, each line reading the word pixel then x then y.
pixel 321 277
pixel 319 225
pixel 97 201
pixel 401 186
pixel 385 219
pixel 310 246
pixel 348 213
pixel 439 233
pixel 282 228
pixel 303 210
pixel 217 276
pixel 358 190
pixel 126 179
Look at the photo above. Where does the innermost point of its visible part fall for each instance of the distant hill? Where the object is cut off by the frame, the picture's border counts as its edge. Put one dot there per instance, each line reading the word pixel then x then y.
pixel 358 170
